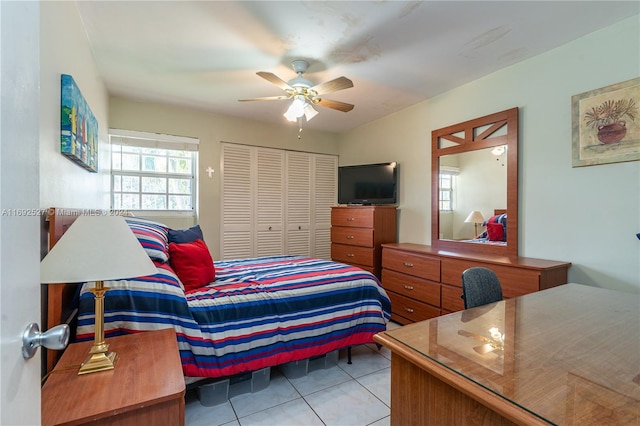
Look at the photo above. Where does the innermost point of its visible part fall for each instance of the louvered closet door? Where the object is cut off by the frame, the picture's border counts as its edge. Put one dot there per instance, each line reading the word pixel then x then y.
pixel 298 202
pixel 237 202
pixel 276 202
pixel 325 188
pixel 270 202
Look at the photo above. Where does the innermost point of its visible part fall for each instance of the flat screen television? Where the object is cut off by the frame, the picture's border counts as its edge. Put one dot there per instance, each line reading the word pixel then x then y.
pixel 368 184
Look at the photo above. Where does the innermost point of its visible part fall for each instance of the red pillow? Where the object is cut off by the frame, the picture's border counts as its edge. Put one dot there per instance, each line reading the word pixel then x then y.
pixel 495 232
pixel 193 263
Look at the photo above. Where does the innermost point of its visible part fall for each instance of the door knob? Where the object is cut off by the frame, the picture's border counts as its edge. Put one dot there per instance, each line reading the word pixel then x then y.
pixel 54 338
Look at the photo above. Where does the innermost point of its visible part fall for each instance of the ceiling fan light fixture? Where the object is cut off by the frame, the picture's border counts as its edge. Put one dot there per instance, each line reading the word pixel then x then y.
pixel 296 109
pixel 305 94
pixel 309 111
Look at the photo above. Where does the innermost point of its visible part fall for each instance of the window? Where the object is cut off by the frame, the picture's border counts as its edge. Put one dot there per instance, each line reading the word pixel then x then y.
pixel 153 173
pixel 446 187
pixel 446 192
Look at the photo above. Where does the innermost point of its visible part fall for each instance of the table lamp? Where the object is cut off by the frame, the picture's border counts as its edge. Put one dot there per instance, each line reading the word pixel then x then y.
pixel 96 248
pixel 475 217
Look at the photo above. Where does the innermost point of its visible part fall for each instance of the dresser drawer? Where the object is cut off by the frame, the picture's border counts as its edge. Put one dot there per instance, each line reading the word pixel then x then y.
pixel 355 217
pixel 411 309
pixel 514 281
pixel 451 298
pixel 352 254
pixel 410 286
pixel 352 236
pixel 412 264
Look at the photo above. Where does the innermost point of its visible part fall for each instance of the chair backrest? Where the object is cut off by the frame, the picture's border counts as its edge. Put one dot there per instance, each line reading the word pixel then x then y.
pixel 480 286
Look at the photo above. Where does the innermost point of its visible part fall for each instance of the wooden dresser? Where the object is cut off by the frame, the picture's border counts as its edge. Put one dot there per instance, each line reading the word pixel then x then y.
pixel 357 233
pixel 145 388
pixel 423 282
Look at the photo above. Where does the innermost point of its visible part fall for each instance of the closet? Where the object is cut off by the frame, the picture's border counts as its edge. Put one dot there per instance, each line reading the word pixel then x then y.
pixel 276 202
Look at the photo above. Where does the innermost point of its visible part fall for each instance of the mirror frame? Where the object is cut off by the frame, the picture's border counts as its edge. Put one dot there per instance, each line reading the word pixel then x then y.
pixel 471 141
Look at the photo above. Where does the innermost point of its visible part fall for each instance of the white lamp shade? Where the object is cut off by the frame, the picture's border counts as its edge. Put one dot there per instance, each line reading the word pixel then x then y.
pixel 474 217
pixel 296 109
pixel 96 248
pixel 309 111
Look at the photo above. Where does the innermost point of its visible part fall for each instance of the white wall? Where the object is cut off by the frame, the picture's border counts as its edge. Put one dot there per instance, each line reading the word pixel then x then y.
pixel 64 49
pixel 211 129
pixel 589 215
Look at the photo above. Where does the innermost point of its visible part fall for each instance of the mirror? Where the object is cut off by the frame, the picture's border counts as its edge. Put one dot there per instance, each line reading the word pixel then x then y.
pixel 475 170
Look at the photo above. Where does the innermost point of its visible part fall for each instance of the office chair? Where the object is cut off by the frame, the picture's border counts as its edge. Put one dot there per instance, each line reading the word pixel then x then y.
pixel 480 286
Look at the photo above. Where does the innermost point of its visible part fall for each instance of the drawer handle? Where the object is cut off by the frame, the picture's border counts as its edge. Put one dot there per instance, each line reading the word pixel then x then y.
pixel 408 287
pixel 351 219
pixel 350 254
pixel 408 264
pixel 350 237
pixel 409 310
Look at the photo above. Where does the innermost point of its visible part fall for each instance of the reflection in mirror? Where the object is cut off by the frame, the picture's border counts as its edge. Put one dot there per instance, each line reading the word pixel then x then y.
pixel 470 181
pixel 474 169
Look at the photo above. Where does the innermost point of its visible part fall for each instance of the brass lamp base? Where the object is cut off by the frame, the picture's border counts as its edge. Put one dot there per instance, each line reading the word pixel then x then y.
pixel 95 362
pixel 99 359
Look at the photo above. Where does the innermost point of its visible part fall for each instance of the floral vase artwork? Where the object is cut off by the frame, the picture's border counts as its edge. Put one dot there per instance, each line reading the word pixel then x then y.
pixel 607 119
pixel 612 133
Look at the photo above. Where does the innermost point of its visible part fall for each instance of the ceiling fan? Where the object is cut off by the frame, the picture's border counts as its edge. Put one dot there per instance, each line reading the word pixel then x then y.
pixel 304 93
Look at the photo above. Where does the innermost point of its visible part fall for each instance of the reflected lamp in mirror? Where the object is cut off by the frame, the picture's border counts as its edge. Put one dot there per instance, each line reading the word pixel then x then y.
pixel 96 249
pixel 475 217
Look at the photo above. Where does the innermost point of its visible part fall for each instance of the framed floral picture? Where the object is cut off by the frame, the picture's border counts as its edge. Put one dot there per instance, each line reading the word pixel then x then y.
pixel 605 124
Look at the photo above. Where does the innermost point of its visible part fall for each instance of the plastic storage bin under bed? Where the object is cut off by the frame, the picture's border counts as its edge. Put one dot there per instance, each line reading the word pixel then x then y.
pixel 221 390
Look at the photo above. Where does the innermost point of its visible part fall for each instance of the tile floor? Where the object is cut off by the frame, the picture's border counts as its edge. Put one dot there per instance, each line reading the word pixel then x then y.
pixel 356 394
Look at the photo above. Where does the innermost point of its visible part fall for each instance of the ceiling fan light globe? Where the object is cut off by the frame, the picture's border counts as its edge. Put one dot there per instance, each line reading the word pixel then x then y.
pixel 290 116
pixel 296 109
pixel 309 111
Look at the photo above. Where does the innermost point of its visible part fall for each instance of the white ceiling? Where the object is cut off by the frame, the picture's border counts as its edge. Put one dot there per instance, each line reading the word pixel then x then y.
pixel 205 54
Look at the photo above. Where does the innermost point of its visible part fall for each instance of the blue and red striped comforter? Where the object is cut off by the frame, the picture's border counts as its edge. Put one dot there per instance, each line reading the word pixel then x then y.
pixel 258 312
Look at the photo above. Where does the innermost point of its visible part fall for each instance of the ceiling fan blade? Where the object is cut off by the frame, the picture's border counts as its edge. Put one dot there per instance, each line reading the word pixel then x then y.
pixel 274 79
pixel 340 106
pixel 334 85
pixel 268 98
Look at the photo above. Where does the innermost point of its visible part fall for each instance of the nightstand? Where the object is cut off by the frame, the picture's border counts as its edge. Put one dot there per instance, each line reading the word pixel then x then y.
pixel 146 387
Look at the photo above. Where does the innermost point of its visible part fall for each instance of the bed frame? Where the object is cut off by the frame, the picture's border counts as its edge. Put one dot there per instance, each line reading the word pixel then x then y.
pixel 57 298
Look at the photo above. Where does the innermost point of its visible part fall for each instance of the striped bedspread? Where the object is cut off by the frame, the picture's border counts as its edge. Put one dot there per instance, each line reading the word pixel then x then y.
pixel 258 312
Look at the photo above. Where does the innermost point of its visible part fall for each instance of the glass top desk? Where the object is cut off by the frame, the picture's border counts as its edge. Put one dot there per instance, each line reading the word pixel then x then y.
pixel 569 355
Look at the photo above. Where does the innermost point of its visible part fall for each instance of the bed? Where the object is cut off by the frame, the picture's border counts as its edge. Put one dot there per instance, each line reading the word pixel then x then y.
pixel 495 232
pixel 256 313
